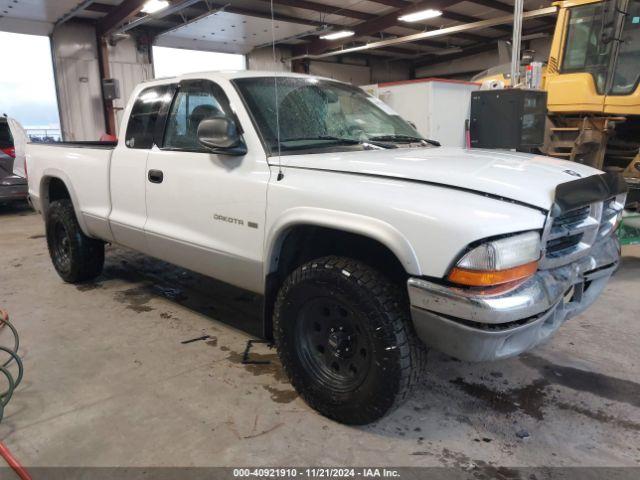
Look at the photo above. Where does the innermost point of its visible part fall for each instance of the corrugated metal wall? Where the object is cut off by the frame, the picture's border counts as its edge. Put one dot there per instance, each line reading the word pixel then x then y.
pixel 262 59
pixel 78 78
pixel 78 81
pixel 130 67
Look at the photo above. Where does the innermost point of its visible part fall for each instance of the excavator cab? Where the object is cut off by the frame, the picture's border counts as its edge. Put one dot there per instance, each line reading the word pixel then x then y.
pixel 592 81
pixel 594 64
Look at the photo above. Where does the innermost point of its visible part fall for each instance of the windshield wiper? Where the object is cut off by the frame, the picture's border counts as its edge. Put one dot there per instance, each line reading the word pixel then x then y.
pixel 368 144
pixel 403 138
pixel 349 141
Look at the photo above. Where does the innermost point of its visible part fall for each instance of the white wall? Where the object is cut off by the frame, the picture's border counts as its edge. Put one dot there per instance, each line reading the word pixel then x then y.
pixel 354 74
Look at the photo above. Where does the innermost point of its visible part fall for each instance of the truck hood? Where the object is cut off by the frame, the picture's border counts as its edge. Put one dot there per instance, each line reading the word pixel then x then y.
pixel 526 178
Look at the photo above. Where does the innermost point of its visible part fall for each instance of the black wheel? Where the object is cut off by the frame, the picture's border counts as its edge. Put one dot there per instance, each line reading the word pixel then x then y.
pixel 75 256
pixel 346 341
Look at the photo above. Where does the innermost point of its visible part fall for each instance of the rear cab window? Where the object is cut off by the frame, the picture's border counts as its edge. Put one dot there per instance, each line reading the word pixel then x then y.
pixel 141 129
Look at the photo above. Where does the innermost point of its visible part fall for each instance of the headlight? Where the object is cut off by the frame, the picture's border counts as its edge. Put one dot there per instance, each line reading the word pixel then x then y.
pixel 499 261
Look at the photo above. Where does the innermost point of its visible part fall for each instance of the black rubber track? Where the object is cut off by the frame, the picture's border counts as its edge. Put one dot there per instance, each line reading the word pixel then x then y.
pixel 85 257
pixel 399 358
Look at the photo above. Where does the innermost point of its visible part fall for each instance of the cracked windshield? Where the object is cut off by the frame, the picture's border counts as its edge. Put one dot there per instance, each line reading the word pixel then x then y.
pixel 321 115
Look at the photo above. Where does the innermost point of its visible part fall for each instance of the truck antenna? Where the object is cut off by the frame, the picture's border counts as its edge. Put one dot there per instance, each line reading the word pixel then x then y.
pixel 275 83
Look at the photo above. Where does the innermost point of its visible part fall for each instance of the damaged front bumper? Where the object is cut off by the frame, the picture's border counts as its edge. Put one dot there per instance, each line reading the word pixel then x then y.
pixel 495 324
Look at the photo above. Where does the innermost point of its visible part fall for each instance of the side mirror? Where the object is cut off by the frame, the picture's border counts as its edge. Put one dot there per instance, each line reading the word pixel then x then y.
pixel 220 135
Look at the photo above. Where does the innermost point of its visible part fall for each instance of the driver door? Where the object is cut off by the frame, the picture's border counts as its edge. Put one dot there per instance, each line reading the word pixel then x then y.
pixel 205 211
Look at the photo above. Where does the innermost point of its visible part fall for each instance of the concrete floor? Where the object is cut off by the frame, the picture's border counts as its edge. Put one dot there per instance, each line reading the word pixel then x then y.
pixel 109 383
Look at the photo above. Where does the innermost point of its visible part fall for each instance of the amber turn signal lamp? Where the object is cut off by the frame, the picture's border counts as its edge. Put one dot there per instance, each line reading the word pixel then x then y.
pixel 487 278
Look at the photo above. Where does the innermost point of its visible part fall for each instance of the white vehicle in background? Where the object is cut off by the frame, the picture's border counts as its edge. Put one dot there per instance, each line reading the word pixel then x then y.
pixel 13 177
pixel 367 241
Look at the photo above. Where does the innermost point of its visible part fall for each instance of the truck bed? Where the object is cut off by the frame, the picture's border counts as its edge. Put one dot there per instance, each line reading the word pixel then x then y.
pixel 85 169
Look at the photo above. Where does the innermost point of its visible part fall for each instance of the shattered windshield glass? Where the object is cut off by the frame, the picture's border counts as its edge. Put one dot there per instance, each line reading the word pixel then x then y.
pixel 320 114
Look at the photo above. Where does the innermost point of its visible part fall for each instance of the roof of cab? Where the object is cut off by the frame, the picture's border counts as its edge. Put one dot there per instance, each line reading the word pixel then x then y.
pixel 228 75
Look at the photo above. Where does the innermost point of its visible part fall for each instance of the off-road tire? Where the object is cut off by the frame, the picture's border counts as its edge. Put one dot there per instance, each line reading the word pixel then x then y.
pixel 76 257
pixel 396 356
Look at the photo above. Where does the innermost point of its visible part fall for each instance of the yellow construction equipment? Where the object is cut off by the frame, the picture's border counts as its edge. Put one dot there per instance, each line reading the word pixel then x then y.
pixel 591 79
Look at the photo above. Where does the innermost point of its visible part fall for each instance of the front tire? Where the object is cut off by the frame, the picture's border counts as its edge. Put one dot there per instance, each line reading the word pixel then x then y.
pixel 346 340
pixel 76 257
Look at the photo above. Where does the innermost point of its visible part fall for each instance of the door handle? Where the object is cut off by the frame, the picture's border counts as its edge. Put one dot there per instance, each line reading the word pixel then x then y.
pixel 155 176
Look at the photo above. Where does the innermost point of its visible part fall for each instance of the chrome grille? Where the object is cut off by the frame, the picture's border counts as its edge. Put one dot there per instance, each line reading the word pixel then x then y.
pixel 570 235
pixel 561 246
pixel 572 217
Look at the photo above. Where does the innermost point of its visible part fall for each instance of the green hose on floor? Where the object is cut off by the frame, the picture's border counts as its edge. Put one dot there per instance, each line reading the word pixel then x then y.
pixel 12 384
pixel 629 230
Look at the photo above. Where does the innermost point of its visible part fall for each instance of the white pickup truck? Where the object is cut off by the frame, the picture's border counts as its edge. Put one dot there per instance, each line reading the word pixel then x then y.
pixel 367 241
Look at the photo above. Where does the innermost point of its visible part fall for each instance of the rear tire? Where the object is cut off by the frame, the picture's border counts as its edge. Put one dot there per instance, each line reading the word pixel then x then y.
pixel 76 257
pixel 346 341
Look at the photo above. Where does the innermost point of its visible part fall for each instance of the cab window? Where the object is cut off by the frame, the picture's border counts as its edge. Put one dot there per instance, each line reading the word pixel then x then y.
pixel 196 100
pixel 583 50
pixel 627 70
pixel 144 115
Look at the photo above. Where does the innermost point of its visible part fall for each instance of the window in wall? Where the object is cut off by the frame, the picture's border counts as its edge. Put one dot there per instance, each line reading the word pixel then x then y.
pixel 27 86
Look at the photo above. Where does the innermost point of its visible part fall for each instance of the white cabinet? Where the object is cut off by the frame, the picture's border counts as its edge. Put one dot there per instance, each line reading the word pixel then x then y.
pixel 438 107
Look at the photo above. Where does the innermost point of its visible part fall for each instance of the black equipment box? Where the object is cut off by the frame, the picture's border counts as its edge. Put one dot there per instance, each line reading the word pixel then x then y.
pixel 510 118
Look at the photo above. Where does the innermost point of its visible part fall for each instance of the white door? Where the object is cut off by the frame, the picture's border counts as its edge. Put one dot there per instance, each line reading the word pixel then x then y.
pixel 205 211
pixel 128 175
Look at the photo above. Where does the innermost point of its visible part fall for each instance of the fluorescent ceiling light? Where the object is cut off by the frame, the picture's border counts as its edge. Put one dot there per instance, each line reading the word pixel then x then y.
pixel 337 35
pixel 153 6
pixel 421 15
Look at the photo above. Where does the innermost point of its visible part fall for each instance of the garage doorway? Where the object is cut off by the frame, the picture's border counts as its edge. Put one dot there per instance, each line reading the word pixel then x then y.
pixel 169 62
pixel 27 86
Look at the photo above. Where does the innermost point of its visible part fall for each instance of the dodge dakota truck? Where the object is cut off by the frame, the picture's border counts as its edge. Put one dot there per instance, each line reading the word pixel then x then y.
pixel 367 242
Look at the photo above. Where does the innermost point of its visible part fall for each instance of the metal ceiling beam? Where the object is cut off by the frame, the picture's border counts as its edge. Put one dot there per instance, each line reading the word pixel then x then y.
pixel 322 8
pixel 459 17
pixel 434 33
pixel 494 4
pixel 393 3
pixel 345 12
pixel 173 9
pixel 497 5
pixel 98 7
pixel 378 24
pixel 475 49
pixel 73 12
pixel 119 15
